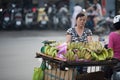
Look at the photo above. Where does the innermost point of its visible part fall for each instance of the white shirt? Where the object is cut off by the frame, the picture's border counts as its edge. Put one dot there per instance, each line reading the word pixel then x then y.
pixel 99 9
pixel 77 9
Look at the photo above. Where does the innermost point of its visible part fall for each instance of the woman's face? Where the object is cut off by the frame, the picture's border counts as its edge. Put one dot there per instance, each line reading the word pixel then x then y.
pixel 80 21
pixel 95 1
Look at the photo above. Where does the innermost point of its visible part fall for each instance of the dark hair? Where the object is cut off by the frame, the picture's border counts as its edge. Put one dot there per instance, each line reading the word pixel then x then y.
pixel 117 26
pixel 77 4
pixel 95 7
pixel 80 15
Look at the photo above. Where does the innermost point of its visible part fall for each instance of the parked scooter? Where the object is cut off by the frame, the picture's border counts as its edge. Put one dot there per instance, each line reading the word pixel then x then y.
pixel 64 18
pixel 1 18
pixel 6 22
pixel 42 19
pixel 64 22
pixel 105 25
pixel 29 20
pixel 18 21
pixel 55 22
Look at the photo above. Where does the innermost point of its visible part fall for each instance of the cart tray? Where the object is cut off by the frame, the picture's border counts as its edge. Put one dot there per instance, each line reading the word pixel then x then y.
pixel 65 63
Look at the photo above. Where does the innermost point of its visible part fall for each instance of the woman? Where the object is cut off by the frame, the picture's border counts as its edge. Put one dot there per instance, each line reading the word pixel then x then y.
pixel 79 33
pixel 114 43
pixel 114 37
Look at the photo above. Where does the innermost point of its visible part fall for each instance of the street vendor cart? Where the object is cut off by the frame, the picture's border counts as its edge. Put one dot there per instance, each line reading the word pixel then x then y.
pixel 64 59
pixel 58 71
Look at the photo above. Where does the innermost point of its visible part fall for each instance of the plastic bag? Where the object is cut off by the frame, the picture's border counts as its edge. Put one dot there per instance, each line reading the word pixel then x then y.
pixel 39 72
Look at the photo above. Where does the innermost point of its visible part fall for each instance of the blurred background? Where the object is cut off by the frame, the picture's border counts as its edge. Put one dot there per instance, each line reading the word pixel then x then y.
pixel 46 14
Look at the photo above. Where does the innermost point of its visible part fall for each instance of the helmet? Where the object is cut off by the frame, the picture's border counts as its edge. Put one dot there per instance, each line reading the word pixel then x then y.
pixel 116 19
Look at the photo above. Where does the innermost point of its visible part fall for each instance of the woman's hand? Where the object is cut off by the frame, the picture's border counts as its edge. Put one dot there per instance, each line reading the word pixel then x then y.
pixel 89 38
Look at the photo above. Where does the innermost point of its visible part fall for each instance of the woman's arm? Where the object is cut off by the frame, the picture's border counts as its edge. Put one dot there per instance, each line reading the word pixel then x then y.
pixel 68 38
pixel 89 35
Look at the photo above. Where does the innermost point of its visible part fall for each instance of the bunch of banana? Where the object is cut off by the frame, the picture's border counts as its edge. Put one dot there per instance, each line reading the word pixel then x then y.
pixel 105 54
pixel 70 56
pixel 81 45
pixel 84 44
pixel 52 51
pixel 84 54
pixel 87 55
pixel 110 53
pixel 47 48
pixel 70 45
pixel 95 46
pixel 97 57
pixel 75 45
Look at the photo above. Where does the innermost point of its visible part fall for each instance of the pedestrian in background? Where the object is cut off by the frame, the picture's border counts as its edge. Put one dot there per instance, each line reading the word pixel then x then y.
pixel 96 11
pixel 76 10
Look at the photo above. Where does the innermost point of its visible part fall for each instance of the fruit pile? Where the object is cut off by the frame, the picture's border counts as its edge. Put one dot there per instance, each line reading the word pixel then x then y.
pixel 77 51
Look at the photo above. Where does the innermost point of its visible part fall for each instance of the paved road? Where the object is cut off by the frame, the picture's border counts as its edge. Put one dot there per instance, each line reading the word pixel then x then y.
pixel 17 52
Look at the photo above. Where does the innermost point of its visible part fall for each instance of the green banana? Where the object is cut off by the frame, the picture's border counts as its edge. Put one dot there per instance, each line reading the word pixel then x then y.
pixel 71 56
pixel 94 55
pixel 83 52
pixel 78 54
pixel 87 55
pixel 54 53
pixel 46 49
pixel 98 56
pixel 105 52
pixel 51 51
pixel 101 57
pixel 110 53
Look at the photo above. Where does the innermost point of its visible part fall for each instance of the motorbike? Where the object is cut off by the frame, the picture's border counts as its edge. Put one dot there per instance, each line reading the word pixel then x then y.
pixel 64 22
pixel 6 23
pixel 29 20
pixel 18 21
pixel 1 18
pixel 64 18
pixel 42 19
pixel 104 26
pixel 55 22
